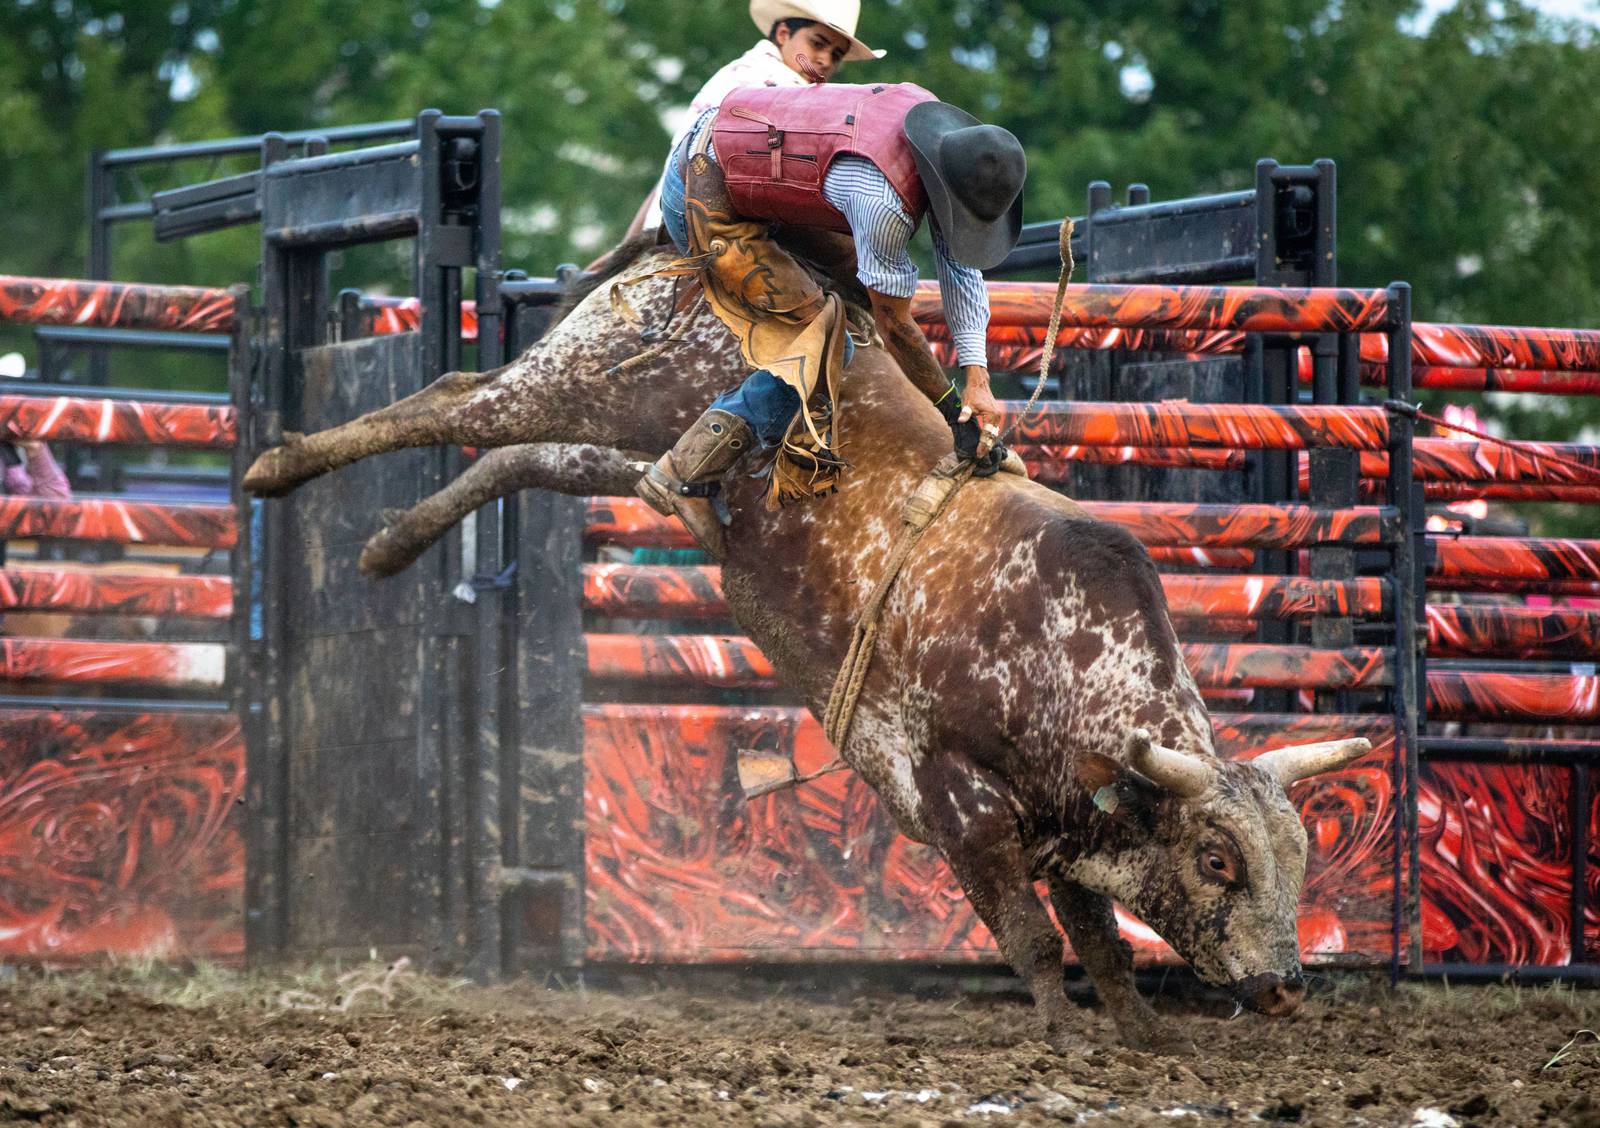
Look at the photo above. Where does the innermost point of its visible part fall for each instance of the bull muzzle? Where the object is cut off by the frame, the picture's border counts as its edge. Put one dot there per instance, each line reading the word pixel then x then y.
pixel 1270 993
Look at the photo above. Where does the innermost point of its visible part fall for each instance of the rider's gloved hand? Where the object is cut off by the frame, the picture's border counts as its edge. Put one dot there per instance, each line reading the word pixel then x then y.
pixel 967 434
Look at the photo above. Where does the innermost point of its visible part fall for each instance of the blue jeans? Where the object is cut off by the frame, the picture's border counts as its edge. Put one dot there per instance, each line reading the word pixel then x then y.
pixel 763 401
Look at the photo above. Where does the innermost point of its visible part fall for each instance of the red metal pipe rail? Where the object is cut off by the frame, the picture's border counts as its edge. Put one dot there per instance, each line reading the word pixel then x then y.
pixel 1246 526
pixel 125 522
pixel 1464 357
pixel 175 665
pixel 1374 491
pixel 1236 733
pixel 118 305
pixel 1435 460
pixel 1177 423
pixel 734 662
pixel 1191 557
pixel 635 591
pixel 73 419
pixel 1248 309
pixel 1514 558
pixel 1551 566
pixel 728 662
pixel 122 593
pixel 1472 631
pixel 1565 699
pixel 631 523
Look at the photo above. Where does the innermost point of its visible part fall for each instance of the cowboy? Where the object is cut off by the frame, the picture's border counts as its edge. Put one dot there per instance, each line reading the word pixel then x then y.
pixel 870 161
pixel 805 41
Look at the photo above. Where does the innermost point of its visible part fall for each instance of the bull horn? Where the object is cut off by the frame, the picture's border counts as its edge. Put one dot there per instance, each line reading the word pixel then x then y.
pixel 1299 761
pixel 1178 772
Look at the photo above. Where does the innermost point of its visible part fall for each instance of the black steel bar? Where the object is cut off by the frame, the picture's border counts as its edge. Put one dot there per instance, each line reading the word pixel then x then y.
pixel 353 158
pixel 87 337
pixel 1524 973
pixel 226 146
pixel 487 947
pixel 116 705
pixel 41 390
pixel 1506 750
pixel 1409 683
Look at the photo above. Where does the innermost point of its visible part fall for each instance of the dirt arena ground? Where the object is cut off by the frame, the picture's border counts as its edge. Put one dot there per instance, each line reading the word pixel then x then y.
pixel 134 1046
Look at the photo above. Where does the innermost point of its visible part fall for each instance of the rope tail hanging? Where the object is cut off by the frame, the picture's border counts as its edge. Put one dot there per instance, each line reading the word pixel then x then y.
pixel 1049 350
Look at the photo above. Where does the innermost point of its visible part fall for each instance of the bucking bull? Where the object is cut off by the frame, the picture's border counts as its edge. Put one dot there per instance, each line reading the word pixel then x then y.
pixel 1028 712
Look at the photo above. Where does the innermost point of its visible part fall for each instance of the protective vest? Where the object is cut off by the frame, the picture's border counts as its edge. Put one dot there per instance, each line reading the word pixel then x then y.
pixel 775 146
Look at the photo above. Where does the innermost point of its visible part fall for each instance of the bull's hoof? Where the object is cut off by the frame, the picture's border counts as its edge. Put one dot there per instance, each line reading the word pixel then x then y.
pixel 1158 1038
pixel 387 553
pixel 1068 1043
pixel 277 472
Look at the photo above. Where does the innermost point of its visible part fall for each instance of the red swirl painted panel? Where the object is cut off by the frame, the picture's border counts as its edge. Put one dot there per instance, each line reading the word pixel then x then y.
pixel 681 868
pixel 1496 852
pixel 121 835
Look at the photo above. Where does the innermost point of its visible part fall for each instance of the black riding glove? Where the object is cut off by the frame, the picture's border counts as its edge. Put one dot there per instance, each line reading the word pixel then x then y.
pixel 966 436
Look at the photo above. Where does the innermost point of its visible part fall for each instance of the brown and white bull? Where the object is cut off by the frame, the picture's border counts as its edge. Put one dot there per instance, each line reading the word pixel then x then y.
pixel 1028 712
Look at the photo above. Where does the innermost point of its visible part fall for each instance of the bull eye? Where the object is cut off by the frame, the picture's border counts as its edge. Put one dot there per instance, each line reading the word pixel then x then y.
pixel 1218 866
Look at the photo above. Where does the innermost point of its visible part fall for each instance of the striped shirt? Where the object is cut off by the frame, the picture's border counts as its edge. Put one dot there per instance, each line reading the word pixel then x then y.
pixel 882 231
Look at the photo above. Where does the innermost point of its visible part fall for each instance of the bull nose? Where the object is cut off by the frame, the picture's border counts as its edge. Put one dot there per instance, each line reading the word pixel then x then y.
pixel 1273 995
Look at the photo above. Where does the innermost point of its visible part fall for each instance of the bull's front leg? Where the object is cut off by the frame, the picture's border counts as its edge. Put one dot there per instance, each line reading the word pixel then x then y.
pixel 565 468
pixel 1091 925
pixel 969 816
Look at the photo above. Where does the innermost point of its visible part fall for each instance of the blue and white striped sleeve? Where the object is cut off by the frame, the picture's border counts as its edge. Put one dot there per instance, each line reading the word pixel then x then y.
pixel 883 233
pixel 966 303
pixel 882 229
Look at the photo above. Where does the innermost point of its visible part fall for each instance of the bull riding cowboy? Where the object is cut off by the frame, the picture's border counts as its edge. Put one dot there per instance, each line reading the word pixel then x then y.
pixel 804 41
pixel 869 161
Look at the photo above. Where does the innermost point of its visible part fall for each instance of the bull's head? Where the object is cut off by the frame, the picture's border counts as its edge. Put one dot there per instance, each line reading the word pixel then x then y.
pixel 1211 855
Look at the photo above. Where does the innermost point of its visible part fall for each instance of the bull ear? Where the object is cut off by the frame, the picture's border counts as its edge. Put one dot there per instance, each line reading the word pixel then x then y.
pixel 1116 789
pixel 1299 761
pixel 1186 776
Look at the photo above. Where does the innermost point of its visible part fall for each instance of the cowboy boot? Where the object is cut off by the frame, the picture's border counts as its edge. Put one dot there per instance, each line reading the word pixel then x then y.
pixel 684 479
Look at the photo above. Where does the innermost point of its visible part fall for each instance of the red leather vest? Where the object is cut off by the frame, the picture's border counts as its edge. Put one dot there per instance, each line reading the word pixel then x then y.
pixel 775 145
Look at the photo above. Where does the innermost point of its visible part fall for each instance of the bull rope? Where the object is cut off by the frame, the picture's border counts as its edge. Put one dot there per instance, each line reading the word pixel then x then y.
pixel 931 498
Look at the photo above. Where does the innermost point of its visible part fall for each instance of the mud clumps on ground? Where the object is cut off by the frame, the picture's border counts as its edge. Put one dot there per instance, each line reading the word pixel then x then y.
pixel 158 1048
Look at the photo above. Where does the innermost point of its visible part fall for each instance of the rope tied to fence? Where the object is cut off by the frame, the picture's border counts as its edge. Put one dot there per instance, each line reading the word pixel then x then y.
pixel 1527 450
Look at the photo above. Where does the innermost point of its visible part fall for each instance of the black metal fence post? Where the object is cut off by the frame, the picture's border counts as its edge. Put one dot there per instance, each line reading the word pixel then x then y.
pixel 1410 686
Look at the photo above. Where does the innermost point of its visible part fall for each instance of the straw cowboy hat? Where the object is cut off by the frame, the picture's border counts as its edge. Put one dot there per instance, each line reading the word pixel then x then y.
pixel 839 15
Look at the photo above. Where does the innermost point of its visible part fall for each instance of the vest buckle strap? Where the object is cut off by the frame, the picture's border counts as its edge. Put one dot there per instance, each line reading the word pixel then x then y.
pixel 775 145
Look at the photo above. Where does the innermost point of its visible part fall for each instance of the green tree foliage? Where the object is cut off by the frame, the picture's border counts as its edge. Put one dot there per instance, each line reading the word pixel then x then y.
pixel 1469 151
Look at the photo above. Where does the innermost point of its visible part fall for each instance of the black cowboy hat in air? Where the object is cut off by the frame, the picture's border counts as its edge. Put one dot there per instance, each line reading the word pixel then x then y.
pixel 973 175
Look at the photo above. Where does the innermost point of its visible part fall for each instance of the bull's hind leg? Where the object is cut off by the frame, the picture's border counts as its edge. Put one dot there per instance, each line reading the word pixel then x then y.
pixel 1091 925
pixel 439 413
pixel 970 819
pixel 564 468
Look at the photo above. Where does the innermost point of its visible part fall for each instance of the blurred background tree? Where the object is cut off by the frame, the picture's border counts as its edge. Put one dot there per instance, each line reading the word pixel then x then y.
pixel 1468 141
